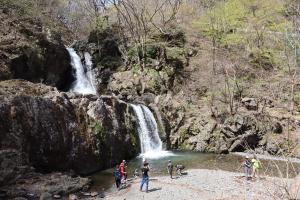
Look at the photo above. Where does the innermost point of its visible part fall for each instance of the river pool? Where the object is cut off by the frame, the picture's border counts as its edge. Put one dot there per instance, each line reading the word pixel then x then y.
pixel 104 180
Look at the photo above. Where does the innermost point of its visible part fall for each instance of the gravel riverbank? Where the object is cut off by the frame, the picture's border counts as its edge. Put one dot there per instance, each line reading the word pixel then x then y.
pixel 205 185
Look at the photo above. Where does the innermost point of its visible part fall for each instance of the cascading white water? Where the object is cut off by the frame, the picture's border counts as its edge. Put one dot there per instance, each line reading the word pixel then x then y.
pixel 89 73
pixel 151 144
pixel 84 80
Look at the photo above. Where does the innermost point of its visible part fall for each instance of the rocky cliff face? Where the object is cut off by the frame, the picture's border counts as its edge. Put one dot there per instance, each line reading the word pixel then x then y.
pixel 50 130
pixel 32 51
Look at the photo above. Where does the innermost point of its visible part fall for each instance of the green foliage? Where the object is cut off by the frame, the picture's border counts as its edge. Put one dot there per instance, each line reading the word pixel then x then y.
pixel 98 127
pixel 176 57
pixel 229 22
pixel 235 39
pixel 155 79
pixel 262 59
pixel 132 53
pixel 107 40
pixel 103 33
pixel 154 50
pixel 135 68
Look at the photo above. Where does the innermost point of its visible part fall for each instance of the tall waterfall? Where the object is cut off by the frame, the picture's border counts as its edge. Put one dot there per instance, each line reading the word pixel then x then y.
pixel 151 144
pixel 84 83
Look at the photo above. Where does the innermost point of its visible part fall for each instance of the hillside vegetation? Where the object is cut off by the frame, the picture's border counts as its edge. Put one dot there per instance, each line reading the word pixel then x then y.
pixel 206 65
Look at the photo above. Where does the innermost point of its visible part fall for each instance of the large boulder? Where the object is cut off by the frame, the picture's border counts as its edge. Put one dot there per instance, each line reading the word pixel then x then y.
pixel 242 132
pixel 63 131
pixel 45 186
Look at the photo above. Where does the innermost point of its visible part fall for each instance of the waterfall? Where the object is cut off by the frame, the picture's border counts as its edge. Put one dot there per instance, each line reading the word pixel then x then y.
pixel 151 144
pixel 89 73
pixel 84 83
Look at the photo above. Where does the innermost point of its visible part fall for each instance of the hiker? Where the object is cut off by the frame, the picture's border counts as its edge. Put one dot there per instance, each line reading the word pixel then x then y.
pixel 256 165
pixel 247 167
pixel 123 170
pixel 117 175
pixel 145 176
pixel 179 169
pixel 170 168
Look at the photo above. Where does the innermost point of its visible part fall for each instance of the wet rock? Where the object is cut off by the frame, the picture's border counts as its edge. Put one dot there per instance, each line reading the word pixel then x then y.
pixel 56 196
pixel 73 197
pixel 48 186
pixel 22 198
pixel 148 98
pixel 94 194
pixel 87 194
pixel 12 166
pixel 46 196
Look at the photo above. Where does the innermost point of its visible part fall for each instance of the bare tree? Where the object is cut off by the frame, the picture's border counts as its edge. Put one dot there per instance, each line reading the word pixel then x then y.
pixel 139 18
pixel 292 47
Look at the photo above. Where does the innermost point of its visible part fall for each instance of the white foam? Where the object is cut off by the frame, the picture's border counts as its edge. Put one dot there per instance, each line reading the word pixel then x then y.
pixel 84 80
pixel 156 154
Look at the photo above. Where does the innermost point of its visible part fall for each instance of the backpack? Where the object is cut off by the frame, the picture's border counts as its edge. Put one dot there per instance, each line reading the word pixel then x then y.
pixel 117 174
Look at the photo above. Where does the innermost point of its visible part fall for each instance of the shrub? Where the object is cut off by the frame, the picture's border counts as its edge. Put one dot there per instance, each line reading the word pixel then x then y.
pixel 262 59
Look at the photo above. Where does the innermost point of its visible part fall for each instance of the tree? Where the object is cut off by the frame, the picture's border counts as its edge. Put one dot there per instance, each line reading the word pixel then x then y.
pixel 140 18
pixel 292 46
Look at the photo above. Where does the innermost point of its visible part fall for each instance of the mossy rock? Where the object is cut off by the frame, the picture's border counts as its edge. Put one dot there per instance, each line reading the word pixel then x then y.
pixel 108 54
pixel 109 62
pixel 155 82
pixel 155 50
pixel 176 57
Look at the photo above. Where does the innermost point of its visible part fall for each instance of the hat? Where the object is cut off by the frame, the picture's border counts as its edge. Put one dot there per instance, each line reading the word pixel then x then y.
pixel 247 157
pixel 169 161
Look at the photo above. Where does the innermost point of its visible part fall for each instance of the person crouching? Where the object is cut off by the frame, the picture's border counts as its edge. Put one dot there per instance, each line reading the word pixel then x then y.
pixel 179 169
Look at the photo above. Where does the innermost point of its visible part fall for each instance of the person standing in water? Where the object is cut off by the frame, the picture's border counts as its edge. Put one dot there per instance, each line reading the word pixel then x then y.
pixel 145 176
pixel 170 168
pixel 117 175
pixel 256 165
pixel 247 167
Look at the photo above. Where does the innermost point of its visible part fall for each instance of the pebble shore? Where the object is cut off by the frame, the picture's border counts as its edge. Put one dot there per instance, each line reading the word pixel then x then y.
pixel 205 185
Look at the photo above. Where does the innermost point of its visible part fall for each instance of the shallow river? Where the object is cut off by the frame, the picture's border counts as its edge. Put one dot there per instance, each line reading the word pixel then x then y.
pixel 104 180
